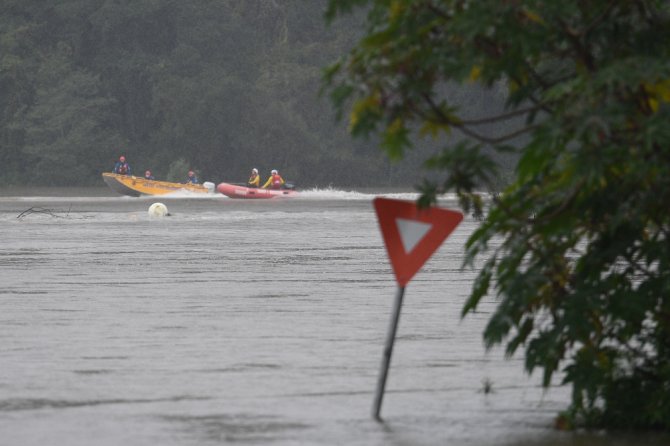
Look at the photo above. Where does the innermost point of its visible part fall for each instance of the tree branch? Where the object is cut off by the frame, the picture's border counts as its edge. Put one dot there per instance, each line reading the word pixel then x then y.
pixel 563 206
pixel 595 22
pixel 437 11
pixel 465 130
pixel 581 51
pixel 501 117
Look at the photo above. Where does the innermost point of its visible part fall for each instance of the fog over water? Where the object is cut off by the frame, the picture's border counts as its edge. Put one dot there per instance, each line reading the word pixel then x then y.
pixel 254 322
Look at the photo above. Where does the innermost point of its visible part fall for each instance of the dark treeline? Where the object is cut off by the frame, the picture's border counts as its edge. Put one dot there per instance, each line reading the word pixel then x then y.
pixel 218 86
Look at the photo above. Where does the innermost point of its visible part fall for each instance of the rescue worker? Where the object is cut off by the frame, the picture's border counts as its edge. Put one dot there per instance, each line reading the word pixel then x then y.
pixel 148 176
pixel 121 167
pixel 275 181
pixel 192 178
pixel 254 179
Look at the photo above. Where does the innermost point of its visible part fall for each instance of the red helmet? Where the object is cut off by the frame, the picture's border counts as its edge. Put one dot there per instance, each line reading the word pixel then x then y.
pixel 190 173
pixel 122 159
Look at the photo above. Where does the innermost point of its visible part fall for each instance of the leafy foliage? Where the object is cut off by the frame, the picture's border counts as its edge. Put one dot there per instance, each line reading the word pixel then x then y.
pixel 577 245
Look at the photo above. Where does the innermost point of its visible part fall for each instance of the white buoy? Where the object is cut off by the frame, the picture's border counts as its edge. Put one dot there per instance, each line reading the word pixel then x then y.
pixel 158 210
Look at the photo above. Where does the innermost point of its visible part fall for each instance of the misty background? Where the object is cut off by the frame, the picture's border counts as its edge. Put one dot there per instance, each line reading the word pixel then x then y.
pixel 218 86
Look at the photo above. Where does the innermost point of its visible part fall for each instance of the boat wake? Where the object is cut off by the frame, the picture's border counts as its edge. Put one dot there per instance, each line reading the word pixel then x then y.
pixel 339 194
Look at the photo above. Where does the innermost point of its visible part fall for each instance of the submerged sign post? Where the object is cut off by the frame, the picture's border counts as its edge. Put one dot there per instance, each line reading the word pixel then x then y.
pixel 411 235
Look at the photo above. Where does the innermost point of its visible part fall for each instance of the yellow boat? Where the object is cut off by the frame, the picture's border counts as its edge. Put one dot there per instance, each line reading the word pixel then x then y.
pixel 136 186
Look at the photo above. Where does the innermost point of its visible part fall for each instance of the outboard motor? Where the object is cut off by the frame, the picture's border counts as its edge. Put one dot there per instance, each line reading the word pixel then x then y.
pixel 210 186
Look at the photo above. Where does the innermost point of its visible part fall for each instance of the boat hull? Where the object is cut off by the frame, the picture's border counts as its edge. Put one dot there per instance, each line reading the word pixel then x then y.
pixel 233 191
pixel 136 186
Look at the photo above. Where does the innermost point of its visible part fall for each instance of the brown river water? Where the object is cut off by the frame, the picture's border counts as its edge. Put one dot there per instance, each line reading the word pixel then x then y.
pixel 245 322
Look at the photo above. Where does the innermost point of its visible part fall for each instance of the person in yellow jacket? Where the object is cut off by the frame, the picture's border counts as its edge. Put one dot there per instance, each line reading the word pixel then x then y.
pixel 275 181
pixel 254 179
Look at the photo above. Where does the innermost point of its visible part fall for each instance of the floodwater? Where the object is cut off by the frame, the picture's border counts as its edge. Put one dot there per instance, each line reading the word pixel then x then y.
pixel 253 322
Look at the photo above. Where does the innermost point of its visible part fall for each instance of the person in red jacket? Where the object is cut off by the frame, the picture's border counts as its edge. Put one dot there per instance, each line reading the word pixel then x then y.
pixel 121 167
pixel 275 181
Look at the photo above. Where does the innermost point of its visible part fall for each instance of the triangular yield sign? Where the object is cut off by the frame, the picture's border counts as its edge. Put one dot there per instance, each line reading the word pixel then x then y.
pixel 411 234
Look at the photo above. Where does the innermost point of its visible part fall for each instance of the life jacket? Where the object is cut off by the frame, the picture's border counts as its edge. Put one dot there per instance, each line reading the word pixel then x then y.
pixel 276 181
pixel 123 169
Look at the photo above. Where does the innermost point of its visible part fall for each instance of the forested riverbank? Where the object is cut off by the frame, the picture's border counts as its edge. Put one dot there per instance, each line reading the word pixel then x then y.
pixel 215 86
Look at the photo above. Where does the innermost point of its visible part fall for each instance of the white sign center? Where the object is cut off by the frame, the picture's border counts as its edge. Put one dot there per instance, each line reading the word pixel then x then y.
pixel 411 232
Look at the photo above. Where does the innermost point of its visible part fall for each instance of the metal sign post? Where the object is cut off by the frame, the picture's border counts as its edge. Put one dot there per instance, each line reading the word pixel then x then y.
pixel 388 350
